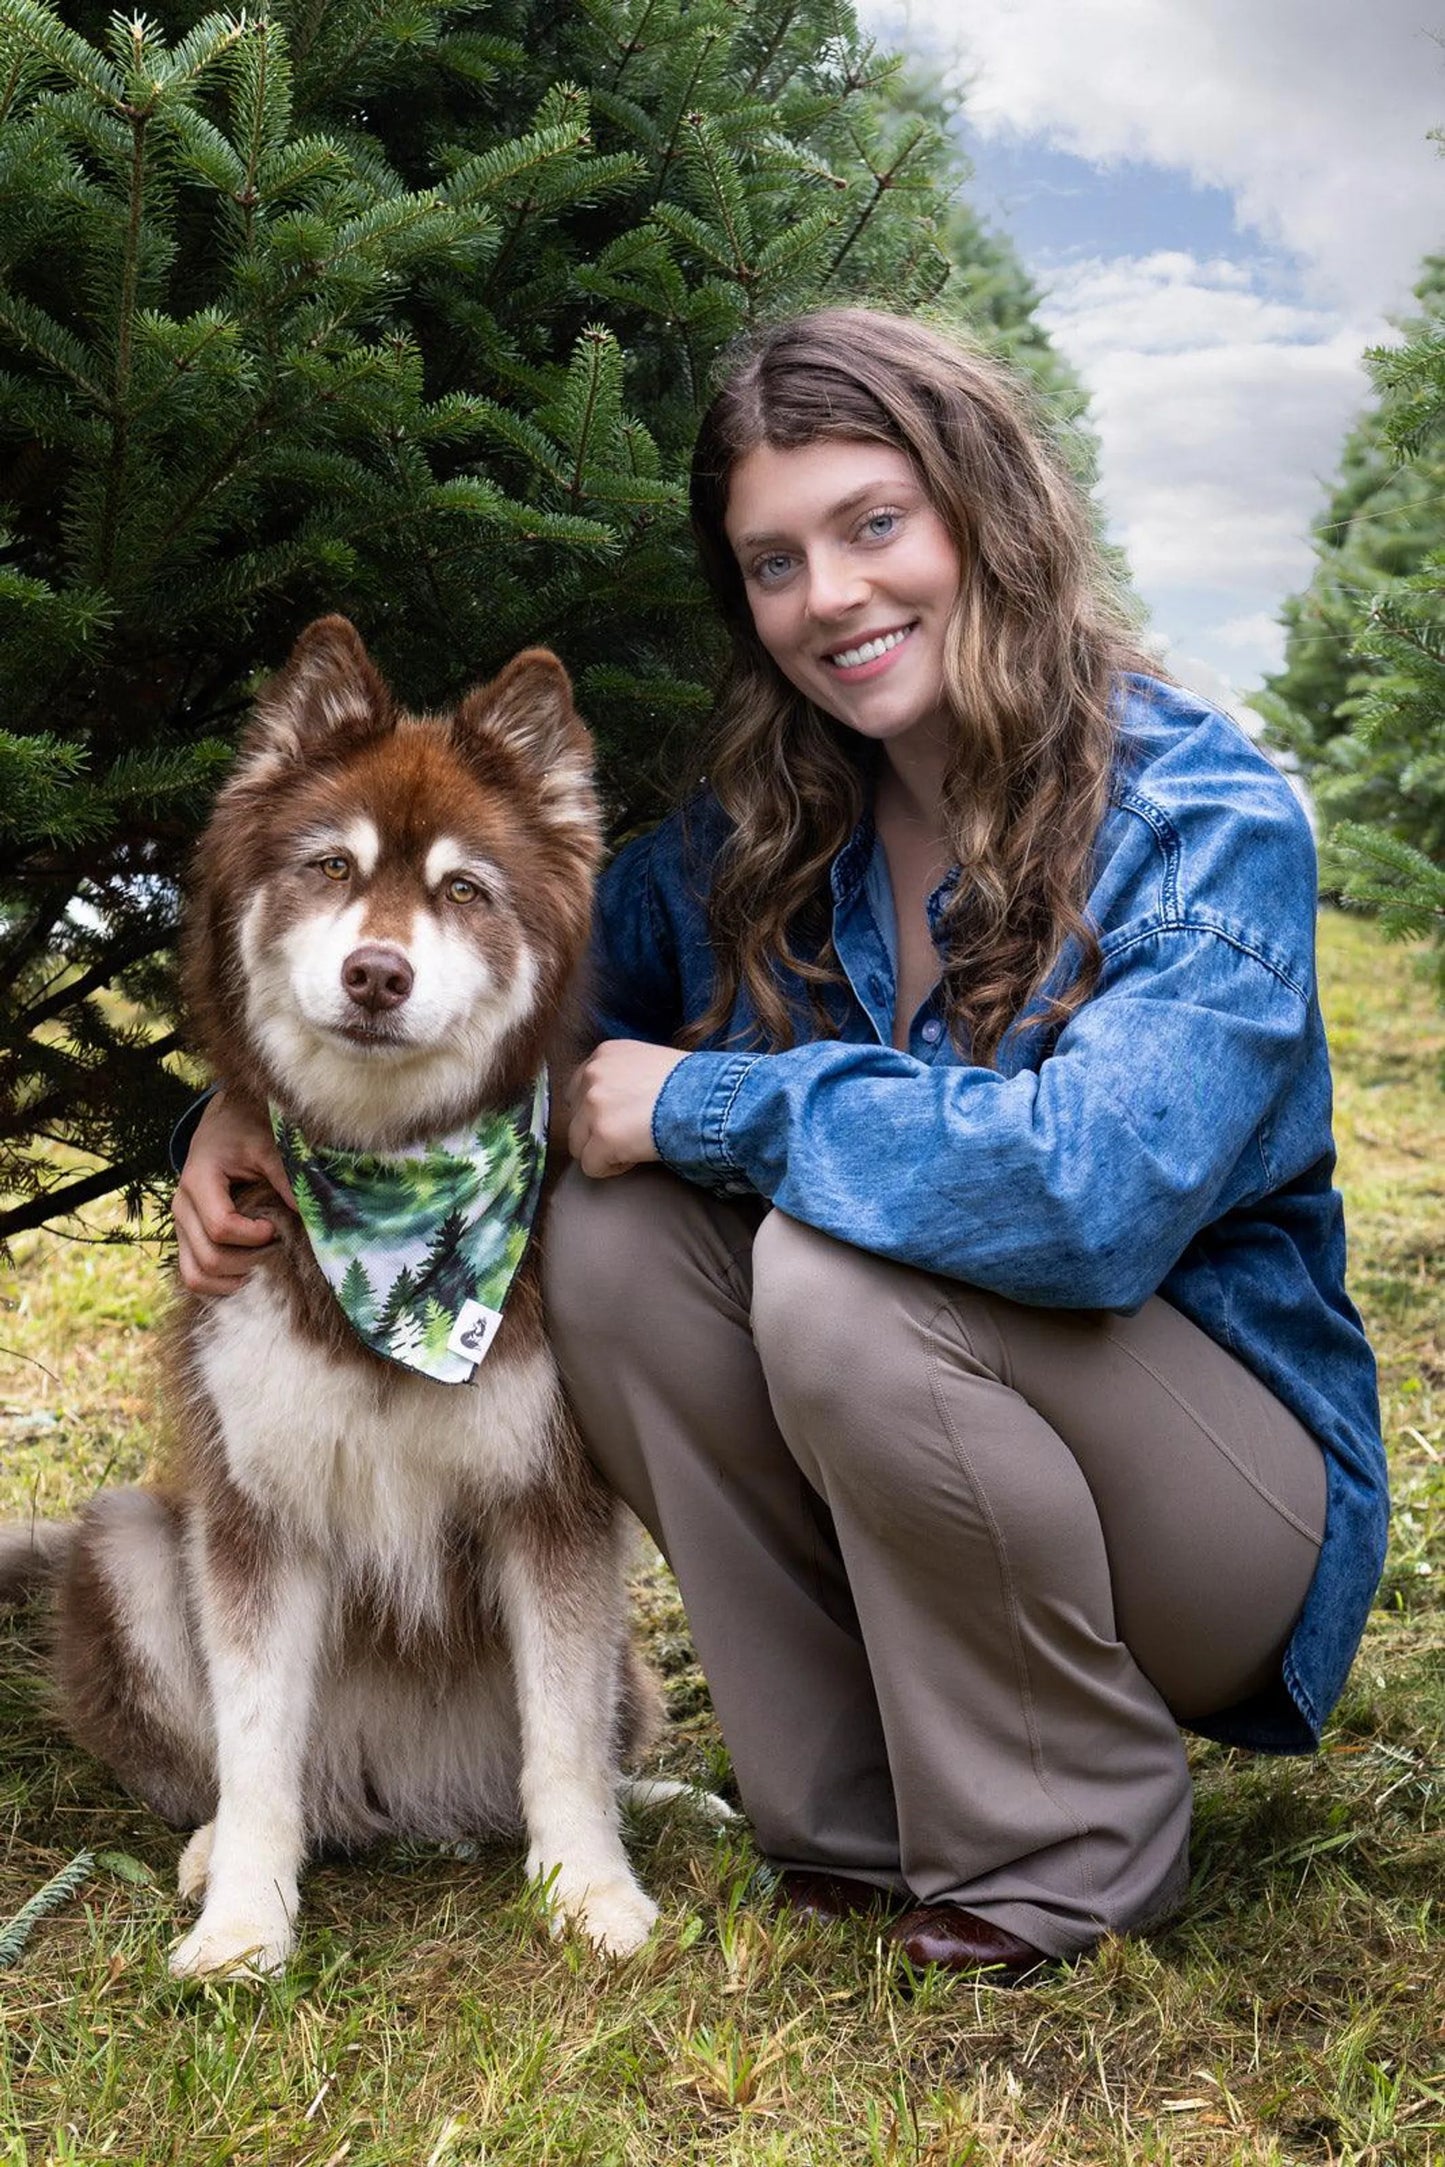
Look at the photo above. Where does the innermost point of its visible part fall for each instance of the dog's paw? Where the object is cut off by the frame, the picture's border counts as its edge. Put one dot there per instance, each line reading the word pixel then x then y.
pixel 195 1865
pixel 613 1912
pixel 617 1916
pixel 245 1944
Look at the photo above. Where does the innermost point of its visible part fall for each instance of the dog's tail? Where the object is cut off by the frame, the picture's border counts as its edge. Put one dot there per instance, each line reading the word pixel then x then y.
pixel 33 1552
pixel 643 1793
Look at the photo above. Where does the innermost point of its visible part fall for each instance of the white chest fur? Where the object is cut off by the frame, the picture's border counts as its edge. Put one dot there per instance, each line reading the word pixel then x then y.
pixel 367 1467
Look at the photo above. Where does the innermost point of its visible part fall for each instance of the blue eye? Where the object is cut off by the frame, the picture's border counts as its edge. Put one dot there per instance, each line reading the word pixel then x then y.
pixel 770 569
pixel 879 525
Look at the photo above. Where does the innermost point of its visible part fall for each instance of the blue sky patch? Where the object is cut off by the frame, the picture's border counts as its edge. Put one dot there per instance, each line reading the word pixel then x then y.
pixel 1052 203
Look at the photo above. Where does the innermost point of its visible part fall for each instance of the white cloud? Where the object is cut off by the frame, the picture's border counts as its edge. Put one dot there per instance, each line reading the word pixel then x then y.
pixel 1211 684
pixel 1313 114
pixel 1172 301
pixel 1219 412
pixel 1251 635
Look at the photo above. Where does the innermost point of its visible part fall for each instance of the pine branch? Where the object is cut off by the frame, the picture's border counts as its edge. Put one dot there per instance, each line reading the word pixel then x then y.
pixel 100 975
pixel 30 943
pixel 882 183
pixel 787 16
pixel 715 163
pixel 636 44
pixel 52 1204
pixel 39 1116
pixel 67 53
pixel 684 107
pixel 120 419
pixel 32 328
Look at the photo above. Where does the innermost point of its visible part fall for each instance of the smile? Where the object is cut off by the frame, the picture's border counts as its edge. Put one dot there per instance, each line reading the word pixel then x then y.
pixel 854 658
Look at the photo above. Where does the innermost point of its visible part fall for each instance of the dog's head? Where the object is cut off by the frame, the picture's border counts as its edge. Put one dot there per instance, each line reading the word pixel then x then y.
pixel 387 909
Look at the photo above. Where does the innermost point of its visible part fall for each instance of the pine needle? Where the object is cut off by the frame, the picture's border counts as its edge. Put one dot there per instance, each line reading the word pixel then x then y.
pixel 56 1891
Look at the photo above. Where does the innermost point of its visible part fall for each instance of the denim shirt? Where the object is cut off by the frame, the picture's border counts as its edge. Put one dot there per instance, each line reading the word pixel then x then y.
pixel 1172 1138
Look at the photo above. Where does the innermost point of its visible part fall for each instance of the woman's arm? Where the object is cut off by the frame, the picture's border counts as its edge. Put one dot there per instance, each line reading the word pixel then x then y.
pixel 216 1244
pixel 1077 1185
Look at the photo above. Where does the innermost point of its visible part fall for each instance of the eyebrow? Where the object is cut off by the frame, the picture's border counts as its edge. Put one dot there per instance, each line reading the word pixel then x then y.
pixel 889 487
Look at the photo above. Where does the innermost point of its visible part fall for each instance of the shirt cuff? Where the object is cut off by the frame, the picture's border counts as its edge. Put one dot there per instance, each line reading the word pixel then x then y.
pixel 184 1132
pixel 690 1120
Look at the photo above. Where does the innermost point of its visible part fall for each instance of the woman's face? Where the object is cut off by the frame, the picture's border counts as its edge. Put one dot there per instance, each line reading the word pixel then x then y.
pixel 851 576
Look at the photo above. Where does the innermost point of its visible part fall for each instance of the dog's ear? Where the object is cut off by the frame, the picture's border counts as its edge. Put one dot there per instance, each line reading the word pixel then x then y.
pixel 529 709
pixel 326 692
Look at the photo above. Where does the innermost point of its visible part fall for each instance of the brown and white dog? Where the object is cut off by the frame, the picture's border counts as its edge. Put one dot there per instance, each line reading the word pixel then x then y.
pixel 367 1602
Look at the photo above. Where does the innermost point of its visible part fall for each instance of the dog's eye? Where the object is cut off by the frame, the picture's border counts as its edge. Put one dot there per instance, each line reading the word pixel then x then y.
pixel 462 890
pixel 335 867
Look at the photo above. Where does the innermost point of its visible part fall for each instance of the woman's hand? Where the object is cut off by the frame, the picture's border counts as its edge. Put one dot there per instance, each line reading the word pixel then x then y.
pixel 612 1096
pixel 217 1244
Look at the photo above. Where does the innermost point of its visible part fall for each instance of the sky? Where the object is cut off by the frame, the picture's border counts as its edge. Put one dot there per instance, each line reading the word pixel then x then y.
pixel 1222 202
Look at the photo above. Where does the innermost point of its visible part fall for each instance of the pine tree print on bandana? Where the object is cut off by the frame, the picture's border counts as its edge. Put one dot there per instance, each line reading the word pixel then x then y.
pixel 421 1249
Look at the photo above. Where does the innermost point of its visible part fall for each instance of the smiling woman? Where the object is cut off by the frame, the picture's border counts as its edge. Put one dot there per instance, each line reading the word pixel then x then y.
pixel 988 1377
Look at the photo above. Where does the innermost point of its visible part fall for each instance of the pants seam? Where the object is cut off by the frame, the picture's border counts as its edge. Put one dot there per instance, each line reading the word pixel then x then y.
pixel 1021 1666
pixel 1206 1430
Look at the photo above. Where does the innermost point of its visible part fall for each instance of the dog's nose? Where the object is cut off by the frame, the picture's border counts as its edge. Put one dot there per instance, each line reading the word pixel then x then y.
pixel 377 977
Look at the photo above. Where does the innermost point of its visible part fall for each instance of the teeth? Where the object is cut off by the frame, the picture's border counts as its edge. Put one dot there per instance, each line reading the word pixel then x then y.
pixel 851 657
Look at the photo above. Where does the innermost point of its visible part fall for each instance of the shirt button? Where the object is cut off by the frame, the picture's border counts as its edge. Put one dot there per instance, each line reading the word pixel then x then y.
pixel 932 1031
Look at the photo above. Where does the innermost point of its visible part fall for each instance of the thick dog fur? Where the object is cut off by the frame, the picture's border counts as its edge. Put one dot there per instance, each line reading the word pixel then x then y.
pixel 366 1603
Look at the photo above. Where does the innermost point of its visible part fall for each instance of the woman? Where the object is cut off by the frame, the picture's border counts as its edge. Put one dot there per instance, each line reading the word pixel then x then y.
pixel 988 1376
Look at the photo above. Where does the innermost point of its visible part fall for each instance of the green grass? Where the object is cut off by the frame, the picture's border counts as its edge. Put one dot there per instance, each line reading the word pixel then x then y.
pixel 1293 2012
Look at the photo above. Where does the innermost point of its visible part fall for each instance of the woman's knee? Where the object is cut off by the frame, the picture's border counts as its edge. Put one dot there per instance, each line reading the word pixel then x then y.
pixel 809 1301
pixel 886 1383
pixel 835 1346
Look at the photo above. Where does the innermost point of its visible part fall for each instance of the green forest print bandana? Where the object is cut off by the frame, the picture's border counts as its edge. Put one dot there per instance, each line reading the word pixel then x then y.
pixel 421 1250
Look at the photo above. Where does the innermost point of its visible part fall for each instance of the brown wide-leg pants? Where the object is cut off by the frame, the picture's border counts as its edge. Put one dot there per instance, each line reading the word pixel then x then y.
pixel 953 1566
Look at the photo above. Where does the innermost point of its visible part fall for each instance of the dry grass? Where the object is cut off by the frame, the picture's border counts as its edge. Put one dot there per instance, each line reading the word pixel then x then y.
pixel 1294 2012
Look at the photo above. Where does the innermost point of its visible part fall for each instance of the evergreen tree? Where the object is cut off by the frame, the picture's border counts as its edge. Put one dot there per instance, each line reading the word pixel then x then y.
pixel 446 1274
pixel 1361 700
pixel 436 1326
pixel 399 1297
pixel 399 307
pixel 308 1205
pixel 357 1296
pixel 407 1336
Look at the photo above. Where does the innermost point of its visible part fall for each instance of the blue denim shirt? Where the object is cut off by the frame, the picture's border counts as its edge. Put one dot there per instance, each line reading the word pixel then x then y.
pixel 1173 1138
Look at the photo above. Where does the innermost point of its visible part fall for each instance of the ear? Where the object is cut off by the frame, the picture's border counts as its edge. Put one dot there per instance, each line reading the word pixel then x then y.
pixel 529 709
pixel 326 691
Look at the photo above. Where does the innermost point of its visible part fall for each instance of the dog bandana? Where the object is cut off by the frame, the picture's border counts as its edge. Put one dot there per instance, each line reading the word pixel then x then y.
pixel 421 1250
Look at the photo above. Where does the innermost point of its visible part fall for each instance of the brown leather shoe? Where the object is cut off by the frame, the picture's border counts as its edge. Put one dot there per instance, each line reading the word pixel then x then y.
pixel 959 1940
pixel 826 1896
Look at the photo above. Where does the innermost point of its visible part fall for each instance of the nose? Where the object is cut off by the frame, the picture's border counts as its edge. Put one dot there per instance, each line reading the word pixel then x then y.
pixel 835 587
pixel 376 978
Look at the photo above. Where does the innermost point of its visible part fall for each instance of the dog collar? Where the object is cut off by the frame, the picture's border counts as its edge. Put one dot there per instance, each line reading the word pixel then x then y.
pixel 421 1249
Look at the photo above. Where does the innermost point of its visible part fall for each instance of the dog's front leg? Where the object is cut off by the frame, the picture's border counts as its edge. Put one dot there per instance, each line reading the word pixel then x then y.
pixel 261 1632
pixel 564 1619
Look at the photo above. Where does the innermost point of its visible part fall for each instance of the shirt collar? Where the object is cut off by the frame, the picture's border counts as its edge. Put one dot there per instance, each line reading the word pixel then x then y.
pixel 849 871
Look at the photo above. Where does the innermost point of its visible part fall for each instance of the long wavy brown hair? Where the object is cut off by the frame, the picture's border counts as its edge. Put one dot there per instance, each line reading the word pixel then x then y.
pixel 1034 647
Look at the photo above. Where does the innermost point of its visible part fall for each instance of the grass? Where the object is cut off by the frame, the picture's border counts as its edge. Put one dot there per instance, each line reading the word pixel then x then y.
pixel 1293 2012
